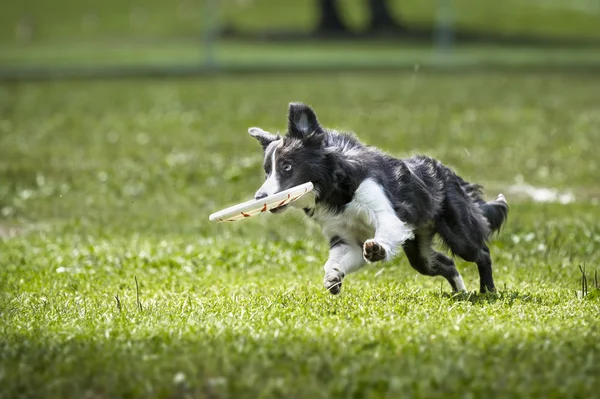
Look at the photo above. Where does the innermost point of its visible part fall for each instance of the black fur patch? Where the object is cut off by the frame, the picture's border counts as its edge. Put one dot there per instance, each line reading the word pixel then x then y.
pixel 335 241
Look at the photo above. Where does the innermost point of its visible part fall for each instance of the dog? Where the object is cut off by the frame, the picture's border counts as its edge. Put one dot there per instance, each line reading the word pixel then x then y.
pixel 370 204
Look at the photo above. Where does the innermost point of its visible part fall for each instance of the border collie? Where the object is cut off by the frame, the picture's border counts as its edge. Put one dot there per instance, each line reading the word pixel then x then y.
pixel 370 204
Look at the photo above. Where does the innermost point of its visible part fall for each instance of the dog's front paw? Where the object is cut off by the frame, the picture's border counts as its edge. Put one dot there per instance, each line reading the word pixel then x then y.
pixel 333 283
pixel 373 251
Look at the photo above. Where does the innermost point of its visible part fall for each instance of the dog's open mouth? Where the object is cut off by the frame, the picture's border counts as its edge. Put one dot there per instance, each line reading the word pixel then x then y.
pixel 278 209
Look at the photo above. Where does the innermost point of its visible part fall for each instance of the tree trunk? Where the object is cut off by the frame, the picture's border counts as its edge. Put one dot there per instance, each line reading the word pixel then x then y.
pixel 381 17
pixel 330 20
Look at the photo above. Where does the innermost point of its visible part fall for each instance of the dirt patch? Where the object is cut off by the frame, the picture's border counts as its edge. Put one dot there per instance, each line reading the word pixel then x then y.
pixel 10 231
pixel 542 194
pixel 521 191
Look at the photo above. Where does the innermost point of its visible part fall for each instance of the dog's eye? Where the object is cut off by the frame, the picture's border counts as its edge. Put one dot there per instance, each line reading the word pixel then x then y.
pixel 287 167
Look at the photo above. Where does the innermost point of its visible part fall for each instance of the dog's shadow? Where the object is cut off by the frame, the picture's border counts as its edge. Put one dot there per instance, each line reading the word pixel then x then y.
pixel 506 296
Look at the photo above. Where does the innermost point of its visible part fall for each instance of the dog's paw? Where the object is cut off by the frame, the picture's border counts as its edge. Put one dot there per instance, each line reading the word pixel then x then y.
pixel 373 251
pixel 333 283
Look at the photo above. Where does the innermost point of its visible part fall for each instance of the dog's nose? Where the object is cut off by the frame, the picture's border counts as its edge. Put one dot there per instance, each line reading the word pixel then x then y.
pixel 260 195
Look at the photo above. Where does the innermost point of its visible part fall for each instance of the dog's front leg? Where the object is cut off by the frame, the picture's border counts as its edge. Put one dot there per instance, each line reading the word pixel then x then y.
pixel 390 231
pixel 344 258
pixel 390 234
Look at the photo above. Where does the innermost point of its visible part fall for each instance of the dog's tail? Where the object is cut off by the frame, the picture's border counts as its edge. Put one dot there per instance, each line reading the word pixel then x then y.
pixel 495 212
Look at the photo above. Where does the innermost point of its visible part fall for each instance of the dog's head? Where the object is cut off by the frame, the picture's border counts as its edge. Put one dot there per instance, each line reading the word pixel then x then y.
pixel 297 157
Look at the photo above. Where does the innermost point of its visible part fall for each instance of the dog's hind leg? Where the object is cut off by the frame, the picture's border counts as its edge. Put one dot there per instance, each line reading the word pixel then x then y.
pixel 424 259
pixel 481 257
pixel 464 227
pixel 471 250
pixel 484 266
pixel 344 258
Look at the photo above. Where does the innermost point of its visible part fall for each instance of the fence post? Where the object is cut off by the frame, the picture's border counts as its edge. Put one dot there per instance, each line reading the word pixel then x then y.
pixel 444 25
pixel 209 37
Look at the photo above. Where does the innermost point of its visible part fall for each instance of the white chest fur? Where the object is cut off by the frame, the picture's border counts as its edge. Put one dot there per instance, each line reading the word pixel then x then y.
pixel 353 224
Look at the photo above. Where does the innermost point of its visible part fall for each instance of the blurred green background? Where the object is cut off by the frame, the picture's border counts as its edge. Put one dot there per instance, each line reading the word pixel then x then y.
pixel 39 20
pixel 185 33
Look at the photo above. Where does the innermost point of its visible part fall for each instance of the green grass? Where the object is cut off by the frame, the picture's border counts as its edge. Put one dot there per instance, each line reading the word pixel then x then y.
pixel 314 55
pixel 103 183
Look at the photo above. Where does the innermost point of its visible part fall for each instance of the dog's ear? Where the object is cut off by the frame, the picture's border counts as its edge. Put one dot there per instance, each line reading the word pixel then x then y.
pixel 264 138
pixel 303 124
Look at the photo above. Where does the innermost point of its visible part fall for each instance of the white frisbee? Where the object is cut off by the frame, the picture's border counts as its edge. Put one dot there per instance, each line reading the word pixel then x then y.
pixel 255 207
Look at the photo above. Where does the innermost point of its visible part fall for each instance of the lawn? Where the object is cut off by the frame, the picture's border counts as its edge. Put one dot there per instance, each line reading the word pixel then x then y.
pixel 113 283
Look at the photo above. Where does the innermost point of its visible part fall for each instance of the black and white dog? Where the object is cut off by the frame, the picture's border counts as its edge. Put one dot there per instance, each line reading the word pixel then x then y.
pixel 370 204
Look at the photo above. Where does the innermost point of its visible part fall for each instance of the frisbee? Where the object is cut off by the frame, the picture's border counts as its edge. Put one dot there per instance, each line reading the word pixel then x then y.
pixel 256 207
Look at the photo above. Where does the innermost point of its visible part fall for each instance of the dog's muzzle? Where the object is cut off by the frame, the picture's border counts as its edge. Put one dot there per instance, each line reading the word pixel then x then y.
pixel 260 195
